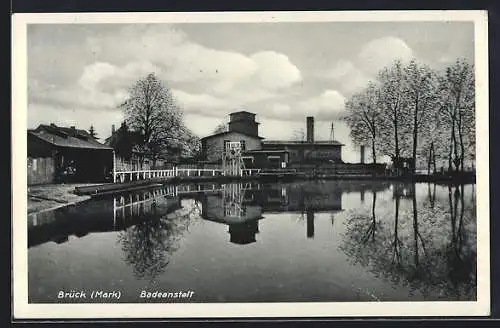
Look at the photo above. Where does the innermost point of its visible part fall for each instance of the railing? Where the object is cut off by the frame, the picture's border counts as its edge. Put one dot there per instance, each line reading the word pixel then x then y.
pixel 129 175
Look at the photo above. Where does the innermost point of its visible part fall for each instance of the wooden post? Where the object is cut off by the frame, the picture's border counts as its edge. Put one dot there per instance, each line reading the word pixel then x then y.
pixel 114 167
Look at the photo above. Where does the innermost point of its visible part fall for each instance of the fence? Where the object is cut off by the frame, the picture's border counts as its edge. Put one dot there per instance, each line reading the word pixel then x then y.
pixel 131 175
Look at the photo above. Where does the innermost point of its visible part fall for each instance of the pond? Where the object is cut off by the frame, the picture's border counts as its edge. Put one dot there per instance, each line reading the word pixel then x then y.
pixel 315 241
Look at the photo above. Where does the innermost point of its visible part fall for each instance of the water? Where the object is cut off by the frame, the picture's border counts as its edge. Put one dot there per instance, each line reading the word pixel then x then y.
pixel 293 242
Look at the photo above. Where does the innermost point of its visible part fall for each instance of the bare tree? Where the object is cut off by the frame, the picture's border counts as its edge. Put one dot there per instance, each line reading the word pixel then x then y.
pixel 421 92
pixel 364 117
pixel 392 99
pixel 152 111
pixel 457 107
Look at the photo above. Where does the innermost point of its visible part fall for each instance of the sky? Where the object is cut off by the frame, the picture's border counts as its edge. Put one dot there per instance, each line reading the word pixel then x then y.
pixel 283 72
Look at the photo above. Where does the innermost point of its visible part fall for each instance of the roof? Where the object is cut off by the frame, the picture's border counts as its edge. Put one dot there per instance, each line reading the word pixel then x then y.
pixel 66 137
pixel 298 142
pixel 273 151
pixel 242 112
pixel 228 132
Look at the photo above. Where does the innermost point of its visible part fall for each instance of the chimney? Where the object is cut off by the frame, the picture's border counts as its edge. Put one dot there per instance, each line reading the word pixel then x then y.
pixel 112 129
pixel 362 154
pixel 310 129
pixel 310 224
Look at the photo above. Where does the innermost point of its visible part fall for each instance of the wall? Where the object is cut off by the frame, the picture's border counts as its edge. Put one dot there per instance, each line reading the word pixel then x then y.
pixel 244 126
pixel 40 170
pixel 261 160
pixel 214 146
pixel 304 152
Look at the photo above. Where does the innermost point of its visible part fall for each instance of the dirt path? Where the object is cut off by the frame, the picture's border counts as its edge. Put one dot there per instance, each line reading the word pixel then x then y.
pixel 46 197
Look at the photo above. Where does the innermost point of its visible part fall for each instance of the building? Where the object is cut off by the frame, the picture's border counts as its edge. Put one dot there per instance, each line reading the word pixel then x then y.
pixel 242 128
pixel 261 153
pixel 57 154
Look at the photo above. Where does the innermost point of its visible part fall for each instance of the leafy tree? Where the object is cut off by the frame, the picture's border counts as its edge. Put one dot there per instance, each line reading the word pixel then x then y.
pixel 222 127
pixel 151 110
pixel 123 142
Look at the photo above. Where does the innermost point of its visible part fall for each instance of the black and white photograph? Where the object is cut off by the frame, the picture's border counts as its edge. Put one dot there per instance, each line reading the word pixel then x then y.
pixel 245 165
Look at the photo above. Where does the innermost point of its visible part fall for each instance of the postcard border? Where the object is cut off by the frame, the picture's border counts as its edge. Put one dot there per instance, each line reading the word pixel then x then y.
pixel 23 310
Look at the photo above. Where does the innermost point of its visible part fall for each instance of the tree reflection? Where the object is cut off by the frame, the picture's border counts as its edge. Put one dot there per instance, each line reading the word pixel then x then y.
pixel 148 245
pixel 408 243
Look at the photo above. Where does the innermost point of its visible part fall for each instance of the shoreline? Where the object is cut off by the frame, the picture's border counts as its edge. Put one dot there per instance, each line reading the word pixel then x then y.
pixel 48 197
pixel 116 188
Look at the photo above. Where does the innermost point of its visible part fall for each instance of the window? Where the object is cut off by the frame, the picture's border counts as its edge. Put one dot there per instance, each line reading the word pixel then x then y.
pixel 243 145
pixel 226 143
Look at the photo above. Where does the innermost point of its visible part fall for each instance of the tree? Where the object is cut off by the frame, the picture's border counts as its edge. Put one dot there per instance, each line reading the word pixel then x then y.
pixel 421 93
pixel 151 110
pixel 364 117
pixel 392 100
pixel 92 132
pixel 222 127
pixel 123 142
pixel 191 144
pixel 457 107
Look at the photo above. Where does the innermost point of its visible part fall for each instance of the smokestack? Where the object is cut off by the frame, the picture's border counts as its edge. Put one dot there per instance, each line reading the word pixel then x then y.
pixel 310 224
pixel 112 129
pixel 362 154
pixel 310 129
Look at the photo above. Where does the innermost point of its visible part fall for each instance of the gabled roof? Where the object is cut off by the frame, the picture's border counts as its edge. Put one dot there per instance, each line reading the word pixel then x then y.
pixel 66 137
pixel 228 132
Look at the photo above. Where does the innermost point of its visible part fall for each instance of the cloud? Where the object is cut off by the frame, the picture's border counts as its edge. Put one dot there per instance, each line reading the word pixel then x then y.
pixel 79 117
pixel 201 102
pixel 382 52
pixel 275 70
pixel 353 74
pixel 349 77
pixel 327 106
pixel 203 78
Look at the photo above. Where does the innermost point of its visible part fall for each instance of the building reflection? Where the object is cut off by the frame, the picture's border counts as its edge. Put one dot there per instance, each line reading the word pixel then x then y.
pixel 98 216
pixel 242 206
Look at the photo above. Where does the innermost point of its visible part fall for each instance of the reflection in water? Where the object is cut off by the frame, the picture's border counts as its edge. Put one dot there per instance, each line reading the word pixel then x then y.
pixel 418 250
pixel 146 230
pixel 241 206
pixel 417 239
